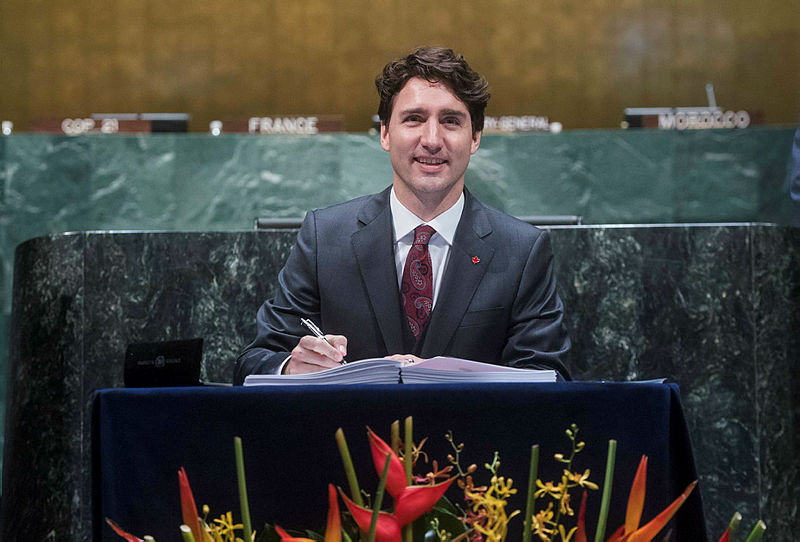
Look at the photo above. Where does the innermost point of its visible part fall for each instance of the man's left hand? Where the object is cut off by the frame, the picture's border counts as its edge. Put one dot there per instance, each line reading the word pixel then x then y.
pixel 407 359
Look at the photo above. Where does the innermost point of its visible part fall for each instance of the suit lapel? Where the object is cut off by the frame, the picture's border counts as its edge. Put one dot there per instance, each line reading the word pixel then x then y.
pixel 374 251
pixel 470 256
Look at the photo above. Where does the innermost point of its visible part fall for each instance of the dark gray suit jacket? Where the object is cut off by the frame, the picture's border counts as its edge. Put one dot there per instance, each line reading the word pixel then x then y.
pixel 498 301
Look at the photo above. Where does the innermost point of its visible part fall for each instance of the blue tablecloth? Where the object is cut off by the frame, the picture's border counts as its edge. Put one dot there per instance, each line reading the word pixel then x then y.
pixel 141 437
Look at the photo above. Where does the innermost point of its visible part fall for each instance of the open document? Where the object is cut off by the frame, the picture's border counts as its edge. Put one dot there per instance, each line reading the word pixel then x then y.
pixel 388 371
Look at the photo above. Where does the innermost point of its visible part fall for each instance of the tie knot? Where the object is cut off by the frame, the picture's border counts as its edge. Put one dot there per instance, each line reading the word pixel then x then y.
pixel 422 234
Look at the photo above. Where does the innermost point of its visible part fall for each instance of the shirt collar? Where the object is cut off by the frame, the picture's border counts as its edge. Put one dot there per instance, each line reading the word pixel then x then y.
pixel 405 221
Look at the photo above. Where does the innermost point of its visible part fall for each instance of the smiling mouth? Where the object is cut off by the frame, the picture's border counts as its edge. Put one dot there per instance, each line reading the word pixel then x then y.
pixel 430 161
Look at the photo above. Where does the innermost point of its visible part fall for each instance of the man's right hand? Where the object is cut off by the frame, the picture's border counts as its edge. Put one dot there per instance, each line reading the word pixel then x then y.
pixel 313 354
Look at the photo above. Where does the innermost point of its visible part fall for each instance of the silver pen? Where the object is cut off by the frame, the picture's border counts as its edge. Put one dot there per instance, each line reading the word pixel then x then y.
pixel 317 332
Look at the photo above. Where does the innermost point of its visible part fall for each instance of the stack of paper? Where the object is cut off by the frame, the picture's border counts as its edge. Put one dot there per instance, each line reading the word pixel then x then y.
pixel 442 369
pixel 388 371
pixel 367 371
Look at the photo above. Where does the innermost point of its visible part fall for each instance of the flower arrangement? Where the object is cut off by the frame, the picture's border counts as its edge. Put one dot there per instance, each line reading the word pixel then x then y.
pixel 420 510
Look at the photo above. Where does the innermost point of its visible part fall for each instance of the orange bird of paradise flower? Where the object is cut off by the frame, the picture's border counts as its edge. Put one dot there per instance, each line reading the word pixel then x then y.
pixel 630 531
pixel 333 531
pixel 189 509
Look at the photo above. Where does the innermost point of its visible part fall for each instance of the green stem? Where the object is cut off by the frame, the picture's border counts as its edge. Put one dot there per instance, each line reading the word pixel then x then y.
pixel 376 508
pixel 186 533
pixel 532 475
pixel 565 495
pixel 733 526
pixel 464 535
pixel 246 526
pixel 607 483
pixel 757 532
pixel 396 437
pixel 408 460
pixel 350 471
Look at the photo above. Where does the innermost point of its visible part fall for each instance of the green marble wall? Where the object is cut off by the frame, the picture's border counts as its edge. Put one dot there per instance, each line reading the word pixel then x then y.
pixel 715 308
pixel 51 184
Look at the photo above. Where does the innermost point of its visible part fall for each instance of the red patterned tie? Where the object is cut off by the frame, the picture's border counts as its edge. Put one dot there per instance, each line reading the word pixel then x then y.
pixel 416 288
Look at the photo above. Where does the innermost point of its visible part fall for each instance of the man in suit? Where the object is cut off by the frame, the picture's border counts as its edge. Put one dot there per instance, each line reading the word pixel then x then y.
pixel 423 268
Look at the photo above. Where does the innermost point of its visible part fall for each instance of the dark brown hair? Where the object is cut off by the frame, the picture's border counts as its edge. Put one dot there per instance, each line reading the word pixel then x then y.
pixel 437 65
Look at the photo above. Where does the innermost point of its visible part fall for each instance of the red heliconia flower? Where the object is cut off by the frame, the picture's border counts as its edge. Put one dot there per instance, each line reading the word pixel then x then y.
pixel 333 531
pixel 411 503
pixel 631 532
pixel 396 480
pixel 414 501
pixel 127 536
pixel 388 528
pixel 726 536
pixel 189 508
pixel 580 532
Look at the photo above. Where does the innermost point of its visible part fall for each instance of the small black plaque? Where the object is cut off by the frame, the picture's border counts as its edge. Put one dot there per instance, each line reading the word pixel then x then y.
pixel 163 364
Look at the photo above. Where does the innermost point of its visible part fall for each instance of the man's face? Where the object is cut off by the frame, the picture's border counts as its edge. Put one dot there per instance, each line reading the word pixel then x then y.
pixel 430 140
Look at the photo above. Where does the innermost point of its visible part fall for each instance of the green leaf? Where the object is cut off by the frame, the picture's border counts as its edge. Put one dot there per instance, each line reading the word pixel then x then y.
pixel 247 530
pixel 314 535
pixel 446 505
pixel 268 534
pixel 608 482
pixel 533 473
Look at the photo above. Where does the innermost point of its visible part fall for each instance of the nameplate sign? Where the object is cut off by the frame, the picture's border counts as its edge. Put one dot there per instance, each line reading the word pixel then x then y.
pixel 113 124
pixel 703 120
pixel 88 125
pixel 510 123
pixel 280 124
pixel 685 118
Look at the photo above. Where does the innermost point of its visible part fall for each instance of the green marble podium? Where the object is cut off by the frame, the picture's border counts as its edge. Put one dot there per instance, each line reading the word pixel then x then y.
pixel 715 308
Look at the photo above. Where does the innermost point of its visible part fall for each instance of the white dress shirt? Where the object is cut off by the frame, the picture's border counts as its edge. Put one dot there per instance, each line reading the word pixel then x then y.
pixel 404 222
pixel 439 245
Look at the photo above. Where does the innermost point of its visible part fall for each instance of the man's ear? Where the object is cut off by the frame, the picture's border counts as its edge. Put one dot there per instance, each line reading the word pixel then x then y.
pixel 384 136
pixel 476 142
